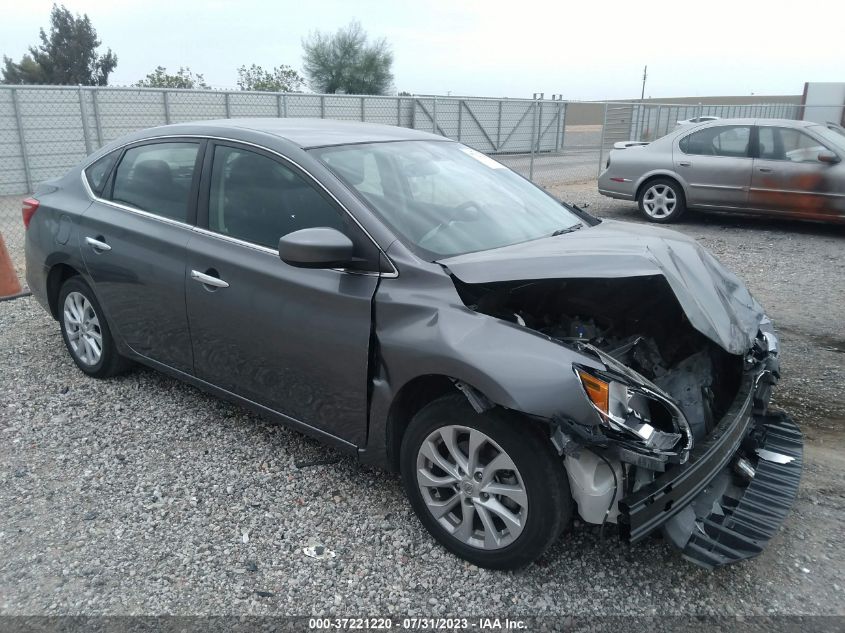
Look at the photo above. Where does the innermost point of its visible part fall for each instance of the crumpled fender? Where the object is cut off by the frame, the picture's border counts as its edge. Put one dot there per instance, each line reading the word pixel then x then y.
pixel 423 328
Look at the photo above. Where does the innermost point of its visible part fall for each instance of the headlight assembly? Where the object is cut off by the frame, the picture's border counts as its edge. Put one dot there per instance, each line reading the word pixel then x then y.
pixel 637 410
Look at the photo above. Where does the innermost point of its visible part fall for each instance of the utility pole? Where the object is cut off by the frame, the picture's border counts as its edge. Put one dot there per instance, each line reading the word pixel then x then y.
pixel 645 76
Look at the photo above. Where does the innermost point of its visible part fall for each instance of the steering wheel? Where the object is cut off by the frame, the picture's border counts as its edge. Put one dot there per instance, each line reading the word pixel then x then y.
pixel 457 212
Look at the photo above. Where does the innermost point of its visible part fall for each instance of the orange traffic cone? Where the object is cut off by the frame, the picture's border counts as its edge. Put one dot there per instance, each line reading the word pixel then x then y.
pixel 10 287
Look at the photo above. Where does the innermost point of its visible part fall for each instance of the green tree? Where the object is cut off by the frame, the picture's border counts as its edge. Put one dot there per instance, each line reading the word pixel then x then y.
pixel 183 78
pixel 346 62
pixel 66 55
pixel 281 79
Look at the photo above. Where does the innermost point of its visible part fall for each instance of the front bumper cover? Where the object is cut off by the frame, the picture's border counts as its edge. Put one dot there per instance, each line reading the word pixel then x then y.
pixel 700 505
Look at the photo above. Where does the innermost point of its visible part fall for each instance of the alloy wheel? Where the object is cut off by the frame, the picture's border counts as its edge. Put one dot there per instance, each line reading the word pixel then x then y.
pixel 472 487
pixel 82 326
pixel 660 201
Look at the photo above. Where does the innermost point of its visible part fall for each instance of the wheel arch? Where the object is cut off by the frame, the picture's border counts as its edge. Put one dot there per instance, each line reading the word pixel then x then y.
pixel 410 399
pixel 654 175
pixel 58 275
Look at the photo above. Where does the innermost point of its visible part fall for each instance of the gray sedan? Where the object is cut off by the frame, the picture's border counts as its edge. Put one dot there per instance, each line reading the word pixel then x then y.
pixel 771 167
pixel 416 304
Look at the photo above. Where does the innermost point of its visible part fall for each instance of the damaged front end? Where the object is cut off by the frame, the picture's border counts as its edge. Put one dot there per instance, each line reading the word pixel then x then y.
pixel 681 440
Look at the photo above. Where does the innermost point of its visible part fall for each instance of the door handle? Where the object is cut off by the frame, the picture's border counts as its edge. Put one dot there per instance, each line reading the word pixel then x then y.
pixel 685 163
pixel 766 170
pixel 97 245
pixel 208 280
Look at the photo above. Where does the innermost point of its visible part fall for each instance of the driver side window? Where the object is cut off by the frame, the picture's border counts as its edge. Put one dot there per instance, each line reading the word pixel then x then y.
pixel 258 199
pixel 780 143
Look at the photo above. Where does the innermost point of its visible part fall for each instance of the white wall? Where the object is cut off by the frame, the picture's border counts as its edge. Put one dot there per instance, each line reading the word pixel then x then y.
pixel 824 101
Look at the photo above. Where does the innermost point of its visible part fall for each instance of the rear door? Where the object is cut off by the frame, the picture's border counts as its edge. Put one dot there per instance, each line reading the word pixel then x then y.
pixel 294 340
pixel 716 164
pixel 133 239
pixel 789 179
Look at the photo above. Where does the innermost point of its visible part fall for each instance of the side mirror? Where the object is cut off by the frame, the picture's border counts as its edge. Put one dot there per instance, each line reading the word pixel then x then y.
pixel 319 247
pixel 826 156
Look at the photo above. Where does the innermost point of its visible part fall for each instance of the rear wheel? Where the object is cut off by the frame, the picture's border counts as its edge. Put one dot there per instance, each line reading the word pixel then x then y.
pixel 662 200
pixel 486 487
pixel 86 333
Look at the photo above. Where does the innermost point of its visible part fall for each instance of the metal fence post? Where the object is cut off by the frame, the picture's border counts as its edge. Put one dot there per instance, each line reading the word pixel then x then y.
pixel 499 128
pixel 24 155
pixel 539 126
pixel 363 109
pixel 460 117
pixel 601 142
pixel 165 98
pixel 97 119
pixel 279 106
pixel 322 106
pixel 434 117
pixel 562 143
pixel 228 107
pixel 285 104
pixel 533 143
pixel 83 112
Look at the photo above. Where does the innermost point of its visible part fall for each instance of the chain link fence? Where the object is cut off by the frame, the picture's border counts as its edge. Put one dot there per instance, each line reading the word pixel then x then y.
pixel 560 145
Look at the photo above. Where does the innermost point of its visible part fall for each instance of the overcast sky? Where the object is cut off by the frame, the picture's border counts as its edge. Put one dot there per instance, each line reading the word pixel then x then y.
pixel 583 49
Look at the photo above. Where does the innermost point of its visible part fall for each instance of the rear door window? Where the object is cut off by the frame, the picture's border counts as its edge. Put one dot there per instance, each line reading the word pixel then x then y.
pixel 721 140
pixel 157 178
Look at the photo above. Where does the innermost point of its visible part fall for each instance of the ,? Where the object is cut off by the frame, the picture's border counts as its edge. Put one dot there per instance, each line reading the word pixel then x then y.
pixel 770 167
pixel 413 302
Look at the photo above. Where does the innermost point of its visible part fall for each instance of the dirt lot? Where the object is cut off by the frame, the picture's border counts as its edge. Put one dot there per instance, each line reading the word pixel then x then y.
pixel 141 495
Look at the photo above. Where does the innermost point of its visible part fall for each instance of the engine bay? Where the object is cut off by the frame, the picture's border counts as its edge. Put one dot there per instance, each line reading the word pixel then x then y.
pixel 636 321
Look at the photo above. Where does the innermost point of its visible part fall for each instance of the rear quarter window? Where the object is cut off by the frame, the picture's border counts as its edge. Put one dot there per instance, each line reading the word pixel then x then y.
pixel 97 174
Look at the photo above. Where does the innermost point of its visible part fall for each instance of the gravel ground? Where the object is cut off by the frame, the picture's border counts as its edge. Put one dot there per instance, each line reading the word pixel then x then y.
pixel 140 495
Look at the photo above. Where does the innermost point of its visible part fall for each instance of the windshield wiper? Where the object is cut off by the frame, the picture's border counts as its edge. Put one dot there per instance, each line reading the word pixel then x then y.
pixel 568 229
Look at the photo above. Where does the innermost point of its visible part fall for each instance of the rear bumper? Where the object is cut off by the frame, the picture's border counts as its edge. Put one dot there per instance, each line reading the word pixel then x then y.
pixel 707 510
pixel 619 195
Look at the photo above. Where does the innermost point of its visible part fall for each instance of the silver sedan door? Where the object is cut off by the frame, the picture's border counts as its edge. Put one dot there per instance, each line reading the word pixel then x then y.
pixel 790 179
pixel 716 164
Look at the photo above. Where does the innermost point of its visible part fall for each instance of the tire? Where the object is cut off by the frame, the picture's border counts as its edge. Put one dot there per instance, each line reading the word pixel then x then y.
pixel 537 514
pixel 662 200
pixel 85 330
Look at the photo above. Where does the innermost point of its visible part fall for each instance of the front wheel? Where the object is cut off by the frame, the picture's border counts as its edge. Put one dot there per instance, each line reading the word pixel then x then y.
pixel 489 487
pixel 662 200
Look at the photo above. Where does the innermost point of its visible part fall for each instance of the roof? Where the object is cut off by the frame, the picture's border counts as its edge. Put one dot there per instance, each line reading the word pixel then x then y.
pixel 309 133
pixel 755 121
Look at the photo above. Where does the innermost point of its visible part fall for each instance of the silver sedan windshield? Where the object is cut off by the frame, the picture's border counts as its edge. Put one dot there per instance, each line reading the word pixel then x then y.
pixel 445 199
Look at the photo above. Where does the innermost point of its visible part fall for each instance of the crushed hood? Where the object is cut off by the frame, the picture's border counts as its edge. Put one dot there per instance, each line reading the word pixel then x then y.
pixel 715 301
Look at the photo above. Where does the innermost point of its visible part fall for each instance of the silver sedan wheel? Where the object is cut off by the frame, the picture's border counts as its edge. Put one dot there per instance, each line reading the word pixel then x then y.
pixel 472 487
pixel 660 201
pixel 82 326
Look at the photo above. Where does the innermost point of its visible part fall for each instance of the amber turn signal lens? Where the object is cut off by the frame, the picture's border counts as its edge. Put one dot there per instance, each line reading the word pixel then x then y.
pixel 597 390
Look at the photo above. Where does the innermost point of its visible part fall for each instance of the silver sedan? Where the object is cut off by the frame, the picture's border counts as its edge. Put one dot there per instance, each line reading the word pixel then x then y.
pixel 772 167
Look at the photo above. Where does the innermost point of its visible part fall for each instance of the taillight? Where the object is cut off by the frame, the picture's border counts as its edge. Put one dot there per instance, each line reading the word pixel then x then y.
pixel 30 206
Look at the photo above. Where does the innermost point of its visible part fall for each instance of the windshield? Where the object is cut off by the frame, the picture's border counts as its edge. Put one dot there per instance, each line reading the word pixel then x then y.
pixel 834 138
pixel 445 199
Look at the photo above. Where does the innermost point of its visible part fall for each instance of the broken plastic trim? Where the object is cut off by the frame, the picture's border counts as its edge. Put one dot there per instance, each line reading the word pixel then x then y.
pixel 649 439
pixel 478 400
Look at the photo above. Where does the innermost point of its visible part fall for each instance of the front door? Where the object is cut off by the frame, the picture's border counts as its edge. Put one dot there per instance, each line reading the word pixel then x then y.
pixel 133 239
pixel 294 340
pixel 716 163
pixel 789 179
